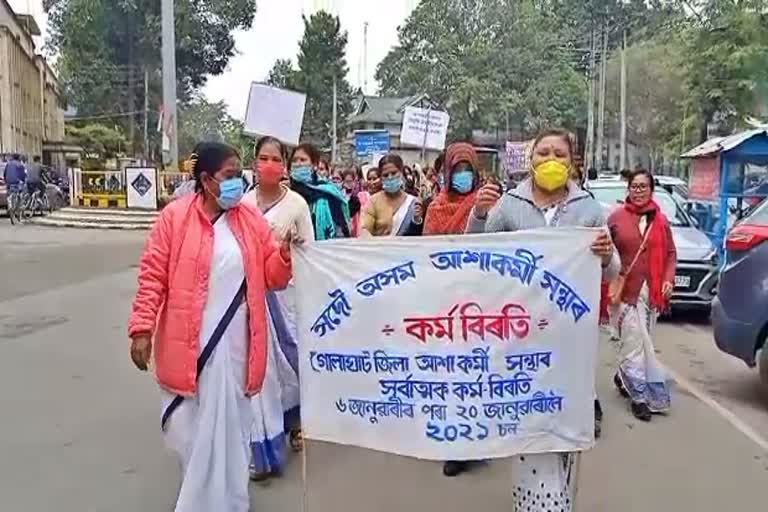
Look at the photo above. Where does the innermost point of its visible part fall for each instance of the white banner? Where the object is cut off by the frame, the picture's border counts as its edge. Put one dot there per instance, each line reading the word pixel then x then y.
pixel 141 189
pixel 424 127
pixel 450 348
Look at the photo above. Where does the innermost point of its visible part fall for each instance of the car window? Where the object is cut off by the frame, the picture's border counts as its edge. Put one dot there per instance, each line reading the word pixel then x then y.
pixel 611 196
pixel 760 215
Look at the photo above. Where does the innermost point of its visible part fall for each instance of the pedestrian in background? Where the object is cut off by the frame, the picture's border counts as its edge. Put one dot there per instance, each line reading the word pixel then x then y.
pixel 648 258
pixel 327 204
pixel 448 212
pixel 203 277
pixel 372 180
pixel 547 199
pixel 323 169
pixel 392 212
pixel 356 194
pixel 276 408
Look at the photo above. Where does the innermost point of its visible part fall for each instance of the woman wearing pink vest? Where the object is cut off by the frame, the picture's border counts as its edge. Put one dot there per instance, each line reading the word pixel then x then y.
pixel 200 309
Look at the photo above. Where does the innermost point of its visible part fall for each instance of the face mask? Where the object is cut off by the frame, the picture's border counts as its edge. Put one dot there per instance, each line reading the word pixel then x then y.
pixel 392 184
pixel 462 181
pixel 301 173
pixel 550 175
pixel 270 173
pixel 230 192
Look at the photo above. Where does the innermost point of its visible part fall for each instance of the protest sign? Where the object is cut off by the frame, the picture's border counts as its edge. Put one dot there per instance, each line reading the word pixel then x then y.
pixel 517 157
pixel 450 348
pixel 424 128
pixel 275 112
pixel 704 181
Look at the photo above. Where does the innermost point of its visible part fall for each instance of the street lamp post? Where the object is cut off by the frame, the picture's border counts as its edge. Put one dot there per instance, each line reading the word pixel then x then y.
pixel 170 121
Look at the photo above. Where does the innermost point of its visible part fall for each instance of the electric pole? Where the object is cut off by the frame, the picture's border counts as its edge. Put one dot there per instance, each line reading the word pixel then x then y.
pixel 365 58
pixel 146 116
pixel 333 124
pixel 589 150
pixel 623 144
pixel 601 103
pixel 170 134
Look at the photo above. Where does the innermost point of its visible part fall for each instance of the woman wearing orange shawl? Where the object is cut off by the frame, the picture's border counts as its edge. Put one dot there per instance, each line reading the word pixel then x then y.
pixel 447 214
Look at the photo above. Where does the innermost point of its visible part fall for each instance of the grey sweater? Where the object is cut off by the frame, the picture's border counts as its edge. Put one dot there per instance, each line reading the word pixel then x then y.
pixel 516 211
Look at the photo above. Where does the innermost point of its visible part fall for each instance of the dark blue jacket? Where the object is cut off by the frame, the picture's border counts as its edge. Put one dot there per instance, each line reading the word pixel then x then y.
pixel 15 173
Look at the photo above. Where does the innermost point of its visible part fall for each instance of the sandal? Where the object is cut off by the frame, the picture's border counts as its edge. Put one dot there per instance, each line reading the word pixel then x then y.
pixel 296 440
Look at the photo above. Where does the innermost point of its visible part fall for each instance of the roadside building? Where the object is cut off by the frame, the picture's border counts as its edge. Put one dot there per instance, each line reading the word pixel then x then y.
pixel 31 103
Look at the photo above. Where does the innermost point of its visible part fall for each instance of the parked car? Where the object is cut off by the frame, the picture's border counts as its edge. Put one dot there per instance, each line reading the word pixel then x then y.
pixel 697 265
pixel 740 311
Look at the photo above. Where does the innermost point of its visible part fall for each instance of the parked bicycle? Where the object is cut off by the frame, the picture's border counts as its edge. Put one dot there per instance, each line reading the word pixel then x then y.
pixel 36 203
pixel 17 199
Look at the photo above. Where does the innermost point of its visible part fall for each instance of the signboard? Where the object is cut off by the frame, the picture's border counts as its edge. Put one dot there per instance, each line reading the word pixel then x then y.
pixel 424 128
pixel 704 181
pixel 275 112
pixel 517 157
pixel 141 187
pixel 371 142
pixel 450 348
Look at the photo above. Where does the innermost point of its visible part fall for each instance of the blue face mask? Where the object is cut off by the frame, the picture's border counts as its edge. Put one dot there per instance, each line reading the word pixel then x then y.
pixel 230 192
pixel 301 173
pixel 392 184
pixel 462 181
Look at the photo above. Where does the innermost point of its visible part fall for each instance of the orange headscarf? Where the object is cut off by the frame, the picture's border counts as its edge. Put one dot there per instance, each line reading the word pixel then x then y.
pixel 448 213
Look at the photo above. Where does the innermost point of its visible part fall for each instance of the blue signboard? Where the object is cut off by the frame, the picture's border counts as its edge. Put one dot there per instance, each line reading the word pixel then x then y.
pixel 369 142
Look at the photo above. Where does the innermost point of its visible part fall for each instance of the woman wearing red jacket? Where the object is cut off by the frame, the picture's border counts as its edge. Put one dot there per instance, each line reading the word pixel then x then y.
pixel 200 307
pixel 644 241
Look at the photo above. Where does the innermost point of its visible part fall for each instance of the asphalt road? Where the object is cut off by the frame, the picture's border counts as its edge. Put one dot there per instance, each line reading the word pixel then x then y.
pixel 79 425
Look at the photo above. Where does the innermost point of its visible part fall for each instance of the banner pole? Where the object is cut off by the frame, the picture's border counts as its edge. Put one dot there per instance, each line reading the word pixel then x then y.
pixel 304 485
pixel 575 477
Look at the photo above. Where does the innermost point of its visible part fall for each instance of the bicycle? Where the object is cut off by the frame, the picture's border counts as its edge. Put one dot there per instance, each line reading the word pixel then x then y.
pixel 16 201
pixel 36 202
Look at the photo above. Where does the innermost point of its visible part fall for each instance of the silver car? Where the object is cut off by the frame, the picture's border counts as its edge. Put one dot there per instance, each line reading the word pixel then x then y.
pixel 697 264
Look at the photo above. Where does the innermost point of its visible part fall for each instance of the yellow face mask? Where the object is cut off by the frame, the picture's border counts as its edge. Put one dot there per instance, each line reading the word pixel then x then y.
pixel 550 175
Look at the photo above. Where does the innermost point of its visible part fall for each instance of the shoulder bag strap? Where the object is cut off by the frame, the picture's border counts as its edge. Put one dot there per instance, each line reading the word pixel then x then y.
pixel 640 249
pixel 213 341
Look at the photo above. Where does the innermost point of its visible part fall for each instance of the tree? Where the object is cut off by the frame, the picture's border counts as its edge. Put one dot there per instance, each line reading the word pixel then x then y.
pixel 283 75
pixel 321 59
pixel 487 62
pixel 657 116
pixel 104 46
pixel 204 121
pixel 98 139
pixel 727 62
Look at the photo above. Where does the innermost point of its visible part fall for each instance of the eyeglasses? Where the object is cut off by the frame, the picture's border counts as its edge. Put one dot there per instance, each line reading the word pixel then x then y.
pixel 639 187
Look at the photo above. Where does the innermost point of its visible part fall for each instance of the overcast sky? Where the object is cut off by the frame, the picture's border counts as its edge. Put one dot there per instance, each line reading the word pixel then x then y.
pixel 276 32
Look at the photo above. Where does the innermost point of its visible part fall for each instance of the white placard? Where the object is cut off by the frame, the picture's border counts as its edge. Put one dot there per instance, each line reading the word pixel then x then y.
pixel 450 348
pixel 424 127
pixel 141 187
pixel 275 112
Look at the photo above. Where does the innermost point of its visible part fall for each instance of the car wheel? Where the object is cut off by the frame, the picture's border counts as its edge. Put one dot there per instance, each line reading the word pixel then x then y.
pixel 762 362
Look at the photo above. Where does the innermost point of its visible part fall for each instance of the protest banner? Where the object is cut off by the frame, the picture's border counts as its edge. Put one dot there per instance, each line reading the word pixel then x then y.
pixel 450 348
pixel 425 128
pixel 704 181
pixel 275 112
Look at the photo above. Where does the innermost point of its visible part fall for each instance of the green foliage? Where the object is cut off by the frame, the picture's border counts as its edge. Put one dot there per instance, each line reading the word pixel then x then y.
pixel 98 139
pixel 727 62
pixel 321 58
pixel 484 59
pixel 104 46
pixel 204 121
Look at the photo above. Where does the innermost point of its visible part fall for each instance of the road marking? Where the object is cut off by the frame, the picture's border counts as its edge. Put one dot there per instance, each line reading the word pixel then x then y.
pixel 729 416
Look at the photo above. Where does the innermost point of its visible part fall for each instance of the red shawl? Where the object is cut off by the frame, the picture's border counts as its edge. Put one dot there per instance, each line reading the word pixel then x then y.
pixel 448 213
pixel 657 248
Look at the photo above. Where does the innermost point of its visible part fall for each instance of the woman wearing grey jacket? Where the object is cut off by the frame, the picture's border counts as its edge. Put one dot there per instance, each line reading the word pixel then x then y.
pixel 547 198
